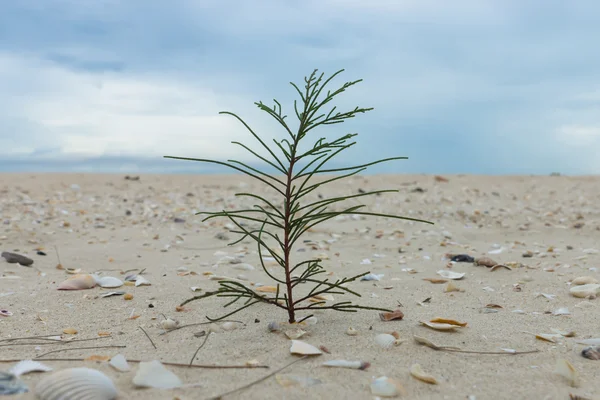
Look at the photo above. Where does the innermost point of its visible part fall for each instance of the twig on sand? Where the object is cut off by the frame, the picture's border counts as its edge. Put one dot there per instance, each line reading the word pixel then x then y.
pixel 79 348
pixel 504 353
pixel 148 336
pixel 198 349
pixel 219 397
pixel 163 362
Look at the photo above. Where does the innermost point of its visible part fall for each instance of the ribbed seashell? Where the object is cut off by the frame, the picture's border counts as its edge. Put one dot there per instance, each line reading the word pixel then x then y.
pixel 386 341
pixel 583 291
pixel 76 384
pixel 78 282
pixel 347 364
pixel 108 282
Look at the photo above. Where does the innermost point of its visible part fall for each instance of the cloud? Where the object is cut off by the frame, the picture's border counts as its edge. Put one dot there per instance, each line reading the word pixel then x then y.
pixel 454 85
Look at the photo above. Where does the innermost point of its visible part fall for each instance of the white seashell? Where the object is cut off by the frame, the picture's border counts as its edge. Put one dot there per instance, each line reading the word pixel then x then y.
pixel 386 341
pixel 450 274
pixel 154 375
pixel 583 280
pixel 311 321
pixel 243 267
pixel 168 324
pixel 304 349
pixel 119 363
pixel 108 282
pixel 386 387
pixel 351 332
pixel 347 364
pixel 273 327
pixel 76 384
pixel 229 326
pixel 141 281
pixel 590 342
pixel 295 333
pixel 372 277
pixel 27 366
pixel 582 291
pixel 561 311
pixel 196 289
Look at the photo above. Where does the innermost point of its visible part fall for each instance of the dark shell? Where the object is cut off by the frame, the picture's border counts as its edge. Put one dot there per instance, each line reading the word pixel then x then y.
pixel 591 352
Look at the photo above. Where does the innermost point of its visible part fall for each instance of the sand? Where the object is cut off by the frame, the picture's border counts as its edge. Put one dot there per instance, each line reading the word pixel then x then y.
pixel 85 217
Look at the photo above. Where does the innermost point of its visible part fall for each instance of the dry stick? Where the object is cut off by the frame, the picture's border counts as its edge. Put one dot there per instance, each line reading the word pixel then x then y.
pixel 48 342
pixel 505 353
pixel 256 381
pixel 79 348
pixel 30 337
pixel 163 362
pixel 197 350
pixel 148 336
pixel 199 323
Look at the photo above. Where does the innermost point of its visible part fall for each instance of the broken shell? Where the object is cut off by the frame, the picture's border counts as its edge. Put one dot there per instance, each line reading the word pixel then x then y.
pixel 485 261
pixel 583 280
pixel 568 371
pixel 448 321
pixel 295 333
pixel 386 387
pixel 351 332
pixel 418 373
pixel 440 327
pixel 311 321
pixel 386 341
pixel 108 282
pixel 27 366
pixel 168 324
pixel 78 282
pixel 304 349
pixel 591 352
pixel 141 281
pixel 390 316
pixel 451 274
pixel 451 287
pixel 583 291
pixel 119 363
pixel 153 374
pixel 76 384
pixel 266 289
pixel 362 365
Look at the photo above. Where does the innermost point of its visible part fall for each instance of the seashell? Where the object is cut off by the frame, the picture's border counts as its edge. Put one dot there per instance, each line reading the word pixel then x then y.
pixel 561 311
pixel 153 374
pixel 591 352
pixel 451 274
pixel 548 337
pixel 386 387
pixel 304 349
pixel 141 281
pixel 590 342
pixel 391 316
pixel 78 282
pixel 584 291
pixel 267 289
pixel 322 297
pixel 273 327
pixel 76 384
pixel 27 366
pixel 451 287
pixel 295 333
pixel 311 321
pixel 229 326
pixel 109 294
pixel 372 277
pixel 119 363
pixel 108 282
pixel 583 280
pixel 243 267
pixel 386 341
pixel 168 324
pixel 418 373
pixel 11 384
pixel 448 321
pixel 362 365
pixel 440 326
pixel 196 289
pixel 351 332
pixel 567 370
pixel 485 261
pixel 73 271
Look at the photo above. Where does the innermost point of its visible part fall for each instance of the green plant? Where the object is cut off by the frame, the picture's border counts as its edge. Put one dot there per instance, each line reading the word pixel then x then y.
pixel 282 225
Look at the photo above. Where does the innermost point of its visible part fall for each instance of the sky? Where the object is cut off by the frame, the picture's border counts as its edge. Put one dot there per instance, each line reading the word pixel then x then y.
pixel 462 86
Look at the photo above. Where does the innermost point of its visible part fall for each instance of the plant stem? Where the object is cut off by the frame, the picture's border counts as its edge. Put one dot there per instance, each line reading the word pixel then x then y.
pixel 286 239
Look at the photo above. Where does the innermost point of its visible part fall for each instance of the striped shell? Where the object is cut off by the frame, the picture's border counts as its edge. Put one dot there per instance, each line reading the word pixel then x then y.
pixel 76 384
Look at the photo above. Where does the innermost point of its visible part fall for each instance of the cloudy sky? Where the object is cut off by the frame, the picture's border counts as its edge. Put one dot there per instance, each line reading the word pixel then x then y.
pixel 462 86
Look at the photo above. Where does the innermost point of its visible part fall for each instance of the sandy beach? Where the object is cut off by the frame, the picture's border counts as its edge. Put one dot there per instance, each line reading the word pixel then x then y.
pixel 545 228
